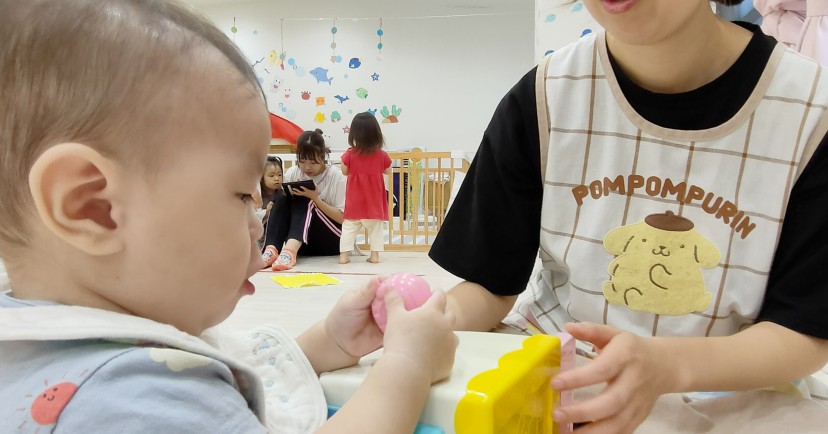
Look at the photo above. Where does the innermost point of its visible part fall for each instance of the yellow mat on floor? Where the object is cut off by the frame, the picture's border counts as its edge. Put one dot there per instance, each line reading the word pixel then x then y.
pixel 305 279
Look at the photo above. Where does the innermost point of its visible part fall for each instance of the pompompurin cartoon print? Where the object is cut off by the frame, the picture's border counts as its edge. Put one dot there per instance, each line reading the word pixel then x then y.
pixel 658 265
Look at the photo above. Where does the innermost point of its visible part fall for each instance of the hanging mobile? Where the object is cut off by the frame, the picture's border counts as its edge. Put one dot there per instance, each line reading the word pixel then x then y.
pixel 380 32
pixel 334 58
pixel 283 54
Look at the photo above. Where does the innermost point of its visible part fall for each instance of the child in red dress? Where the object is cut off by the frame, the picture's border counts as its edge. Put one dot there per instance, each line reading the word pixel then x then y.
pixel 366 201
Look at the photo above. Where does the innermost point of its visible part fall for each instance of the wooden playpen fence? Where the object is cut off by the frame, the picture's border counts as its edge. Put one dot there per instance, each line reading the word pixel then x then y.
pixel 419 189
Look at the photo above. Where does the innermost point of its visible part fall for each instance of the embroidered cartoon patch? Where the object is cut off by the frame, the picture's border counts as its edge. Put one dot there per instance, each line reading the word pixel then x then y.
pixel 658 264
pixel 49 403
pixel 177 360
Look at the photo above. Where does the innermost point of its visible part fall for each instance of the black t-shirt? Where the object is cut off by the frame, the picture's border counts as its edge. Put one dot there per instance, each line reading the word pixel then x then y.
pixel 492 234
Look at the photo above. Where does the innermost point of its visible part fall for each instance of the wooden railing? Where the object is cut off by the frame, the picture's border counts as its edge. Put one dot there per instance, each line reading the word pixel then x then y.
pixel 419 189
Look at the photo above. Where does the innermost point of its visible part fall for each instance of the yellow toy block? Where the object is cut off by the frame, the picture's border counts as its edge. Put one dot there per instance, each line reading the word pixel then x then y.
pixel 500 384
pixel 516 397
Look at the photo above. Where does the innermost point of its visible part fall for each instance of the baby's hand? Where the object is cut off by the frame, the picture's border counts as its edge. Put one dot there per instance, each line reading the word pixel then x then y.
pixel 423 335
pixel 350 323
pixel 636 373
pixel 257 199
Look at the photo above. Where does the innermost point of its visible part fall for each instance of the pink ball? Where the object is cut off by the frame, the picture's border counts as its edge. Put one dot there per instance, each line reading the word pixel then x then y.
pixel 413 289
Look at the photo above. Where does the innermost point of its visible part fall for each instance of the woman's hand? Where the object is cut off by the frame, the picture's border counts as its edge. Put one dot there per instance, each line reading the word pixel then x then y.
pixel 304 192
pixel 257 199
pixel 636 373
pixel 267 212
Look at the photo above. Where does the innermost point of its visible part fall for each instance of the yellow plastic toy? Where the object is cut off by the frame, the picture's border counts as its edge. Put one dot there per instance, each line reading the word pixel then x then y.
pixel 516 397
pixel 500 384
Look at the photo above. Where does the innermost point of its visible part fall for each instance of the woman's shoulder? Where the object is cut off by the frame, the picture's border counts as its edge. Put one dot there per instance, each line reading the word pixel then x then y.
pixel 292 174
pixel 335 171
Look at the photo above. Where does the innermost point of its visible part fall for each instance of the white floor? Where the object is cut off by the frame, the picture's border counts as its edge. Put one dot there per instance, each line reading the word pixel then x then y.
pixel 296 309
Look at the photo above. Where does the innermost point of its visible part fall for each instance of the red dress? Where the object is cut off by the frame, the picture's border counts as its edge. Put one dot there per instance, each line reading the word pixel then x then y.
pixel 365 195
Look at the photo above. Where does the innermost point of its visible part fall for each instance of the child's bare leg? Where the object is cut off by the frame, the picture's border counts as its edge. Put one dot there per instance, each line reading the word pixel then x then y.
pixel 374 258
pixel 343 258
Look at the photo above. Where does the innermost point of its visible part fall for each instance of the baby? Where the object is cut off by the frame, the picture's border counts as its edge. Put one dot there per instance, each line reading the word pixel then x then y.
pixel 118 119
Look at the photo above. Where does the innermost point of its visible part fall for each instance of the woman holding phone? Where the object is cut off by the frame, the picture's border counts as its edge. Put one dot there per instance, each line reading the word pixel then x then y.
pixel 308 219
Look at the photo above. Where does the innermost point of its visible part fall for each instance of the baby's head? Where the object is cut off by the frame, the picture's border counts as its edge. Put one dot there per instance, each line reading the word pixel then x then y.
pixel 132 133
pixel 272 177
pixel 365 134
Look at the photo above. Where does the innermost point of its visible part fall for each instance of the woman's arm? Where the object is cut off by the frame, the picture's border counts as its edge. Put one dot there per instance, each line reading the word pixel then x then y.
pixel 331 211
pixel 335 204
pixel 477 309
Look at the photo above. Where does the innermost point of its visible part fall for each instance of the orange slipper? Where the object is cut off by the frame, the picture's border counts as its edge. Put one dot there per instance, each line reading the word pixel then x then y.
pixel 285 261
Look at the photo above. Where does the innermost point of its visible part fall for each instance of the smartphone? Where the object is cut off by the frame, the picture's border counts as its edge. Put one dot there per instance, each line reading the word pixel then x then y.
pixel 308 184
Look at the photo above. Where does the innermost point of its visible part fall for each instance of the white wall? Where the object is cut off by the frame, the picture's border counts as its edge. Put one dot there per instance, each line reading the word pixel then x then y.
pixel 559 23
pixel 446 74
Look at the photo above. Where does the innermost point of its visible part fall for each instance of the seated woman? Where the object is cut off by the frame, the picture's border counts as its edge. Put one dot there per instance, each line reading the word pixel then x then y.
pixel 307 221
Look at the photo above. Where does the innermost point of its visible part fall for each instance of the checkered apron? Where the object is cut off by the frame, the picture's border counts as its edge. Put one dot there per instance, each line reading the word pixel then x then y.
pixel 605 166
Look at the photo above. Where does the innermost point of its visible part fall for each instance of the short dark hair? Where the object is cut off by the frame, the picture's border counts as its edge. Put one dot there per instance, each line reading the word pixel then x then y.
pixel 275 160
pixel 311 146
pixel 99 72
pixel 365 134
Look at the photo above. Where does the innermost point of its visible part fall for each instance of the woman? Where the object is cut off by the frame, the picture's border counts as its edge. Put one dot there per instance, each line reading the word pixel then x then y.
pixel 655 128
pixel 307 220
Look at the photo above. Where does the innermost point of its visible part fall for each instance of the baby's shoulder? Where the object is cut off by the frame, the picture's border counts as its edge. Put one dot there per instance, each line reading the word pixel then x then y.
pixel 96 385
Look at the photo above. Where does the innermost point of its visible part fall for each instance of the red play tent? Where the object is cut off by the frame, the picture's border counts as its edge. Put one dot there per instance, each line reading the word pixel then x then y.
pixel 281 128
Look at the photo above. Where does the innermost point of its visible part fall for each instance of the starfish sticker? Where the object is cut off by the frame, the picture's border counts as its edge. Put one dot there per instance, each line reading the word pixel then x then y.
pixel 375 77
pixel 346 130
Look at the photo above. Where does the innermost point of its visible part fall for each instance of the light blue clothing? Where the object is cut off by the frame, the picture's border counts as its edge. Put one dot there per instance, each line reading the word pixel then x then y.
pixel 104 386
pixel 116 386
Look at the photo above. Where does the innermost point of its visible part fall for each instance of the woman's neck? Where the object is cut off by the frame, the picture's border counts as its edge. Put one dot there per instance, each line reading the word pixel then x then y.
pixel 702 50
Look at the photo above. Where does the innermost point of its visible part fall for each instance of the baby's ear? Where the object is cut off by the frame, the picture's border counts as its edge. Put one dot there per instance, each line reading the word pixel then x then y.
pixel 73 187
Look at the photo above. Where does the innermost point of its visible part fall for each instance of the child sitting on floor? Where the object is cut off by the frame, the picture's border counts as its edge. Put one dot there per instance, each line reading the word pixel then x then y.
pixel 308 220
pixel 271 184
pixel 97 133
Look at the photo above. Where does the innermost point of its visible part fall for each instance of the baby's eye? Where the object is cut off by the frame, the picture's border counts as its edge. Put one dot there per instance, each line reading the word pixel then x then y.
pixel 246 198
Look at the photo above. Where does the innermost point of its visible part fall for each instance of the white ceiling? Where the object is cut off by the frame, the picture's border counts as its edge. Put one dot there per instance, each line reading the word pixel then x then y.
pixel 386 6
